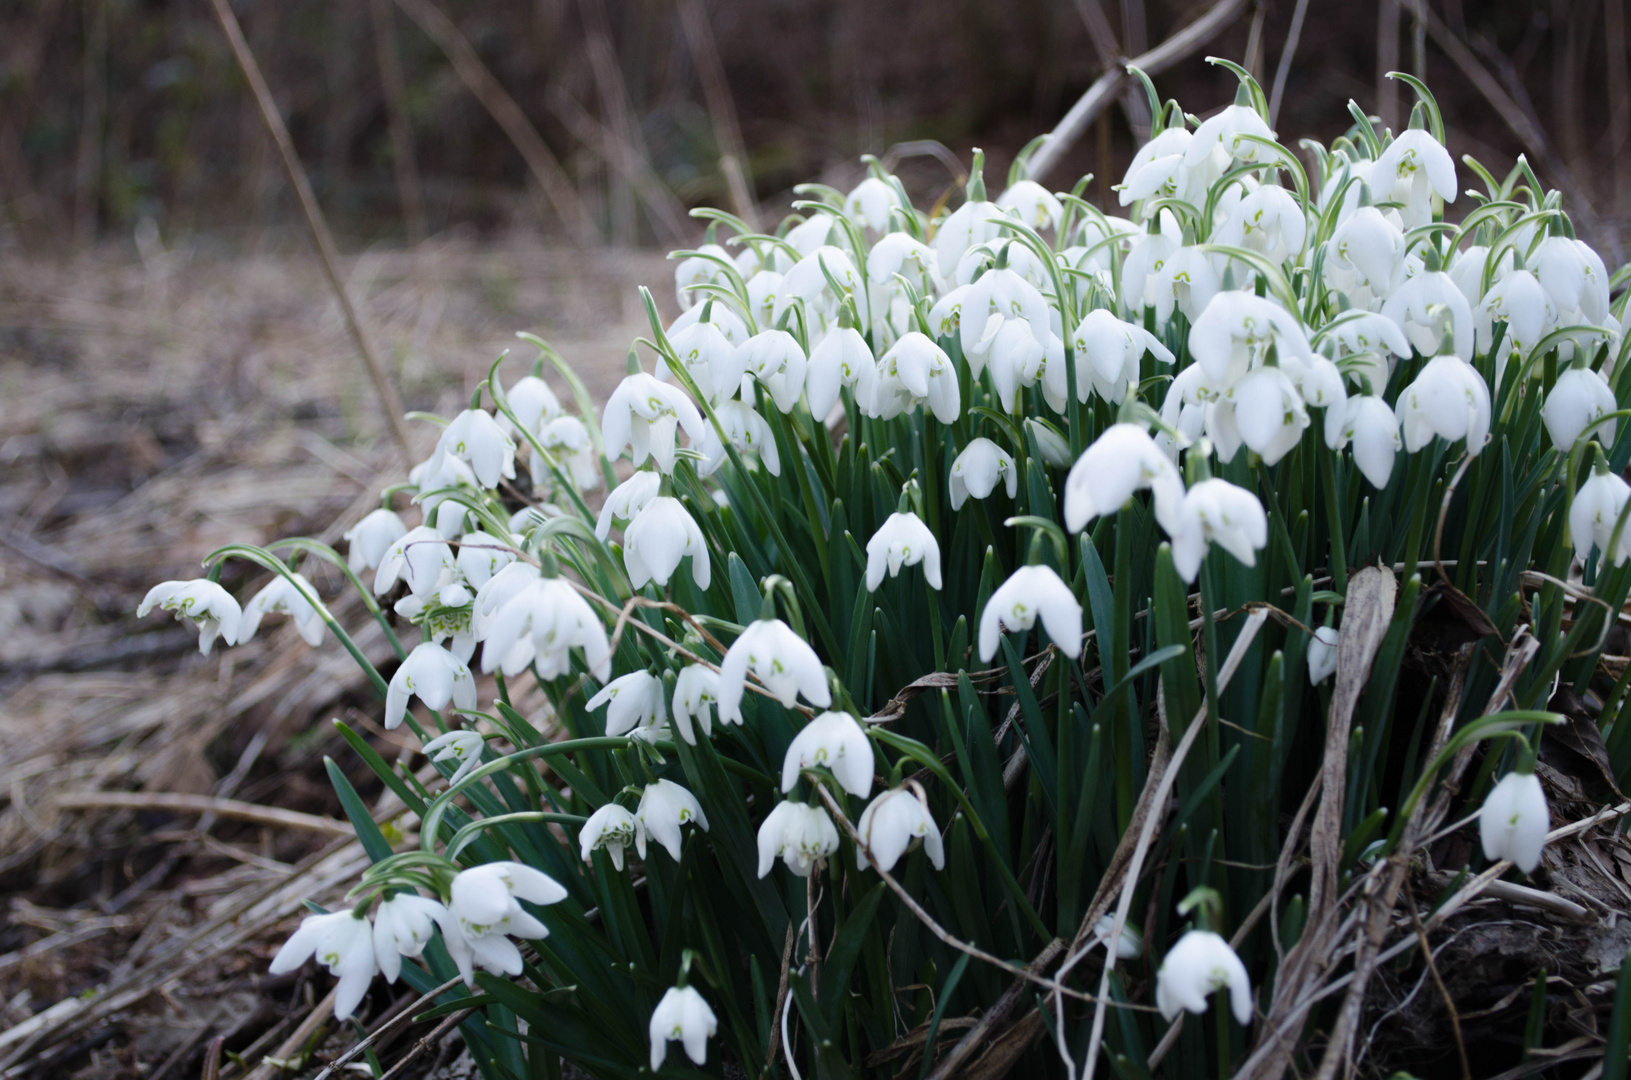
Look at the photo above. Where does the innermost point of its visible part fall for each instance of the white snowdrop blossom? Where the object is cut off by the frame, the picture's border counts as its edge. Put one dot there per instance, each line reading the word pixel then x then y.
pixel 1200 963
pixel 1236 328
pixel 842 359
pixel 1032 592
pixel 978 468
pixel 612 828
pixel 1270 221
pixel 1130 946
pixel 1185 281
pixel 476 439
pixel 461 746
pixel 747 432
pixel 1373 428
pixel 783 663
pixel 1595 514
pixel 664 807
pixel 533 403
pixel 203 603
pixel 710 358
pixel 660 535
pixel 1053 447
pixel 698 270
pixel 1412 169
pixel 1268 413
pixel 433 675
pixel 626 500
pixel 696 691
pixel 890 824
pixel 418 557
pixel 775 359
pixel 482 555
pixel 1514 820
pixel 836 741
pixel 1448 399
pixel 632 701
pixel 1226 130
pixel 682 1016
pixel 343 942
pixel 972 223
pixel 1121 461
pixel 915 370
pixel 539 624
pixel 1421 306
pixel 799 835
pixel 999 294
pixel 645 415
pixel 568 441
pixel 369 539
pixel 1216 511
pixel 440 479
pixel 1108 352
pixel 1032 203
pixel 870 203
pixel 485 907
pixel 1578 399
pixel 1574 276
pixel 902 540
pixel 403 925
pixel 808 282
pixel 1365 258
pixel 293 596
pixel 1322 654
pixel 1518 298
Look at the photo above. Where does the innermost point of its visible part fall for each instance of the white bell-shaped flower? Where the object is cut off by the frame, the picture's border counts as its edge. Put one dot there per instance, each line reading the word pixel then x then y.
pixel 612 828
pixel 632 700
pixel 710 358
pixel 369 539
pixel 203 603
pixel 1578 398
pixel 1364 259
pixel 1268 413
pixel 459 745
pixel 1226 130
pixel 498 591
pixel 1158 169
pixel 808 281
pixel 1121 461
pixel 1322 654
pixel 836 741
pixel 783 663
pixel 293 596
pixel 1216 511
pixel 627 499
pixel 482 555
pixel 696 691
pixel 898 253
pixel 890 824
pixel 842 359
pixel 797 834
pixel 664 807
pixel 403 926
pixel 645 415
pixel 485 907
pixel 1595 514
pixel 1518 298
pixel 1141 271
pixel 720 316
pixel 1574 276
pixel 476 439
pixel 540 623
pixel 747 431
pixel 764 288
pixel 682 1016
pixel 1413 168
pixel 660 535
pixel 1186 282
pixel 775 359
pixel 1514 820
pixel 1270 221
pixel 902 540
pixel 1448 399
pixel 915 370
pixel 870 203
pixel 1053 447
pixel 698 270
pixel 568 441
pixel 1033 204
pixel 1236 328
pixel 343 942
pixel 439 479
pixel 1000 292
pixel 1013 355
pixel 1373 427
pixel 970 224
pixel 1199 964
pixel 978 468
pixel 433 675
pixel 533 403
pixel 1108 352
pixel 1356 332
pixel 1130 946
pixel 419 557
pixel 809 236
pixel 1422 304
pixel 1032 592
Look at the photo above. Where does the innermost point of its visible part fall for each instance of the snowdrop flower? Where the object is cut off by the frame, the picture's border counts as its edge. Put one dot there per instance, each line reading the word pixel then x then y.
pixel 903 540
pixel 718 315
pixel 437 478
pixel 1235 328
pixel 1014 356
pixel 1216 511
pixel 869 203
pixel 977 470
pixel 626 500
pixel 897 253
pixel 485 907
pixel 462 746
pixel 1322 654
pixel 498 591
pixel 709 356
pixel 807 281
pixel 475 438
pixel 1226 130
pixel 1422 303
pixel 660 535
pixel 645 415
pixel 1033 204
pixel 809 235
pixel 343 943
pixel 1158 168
pixel 481 556
pixel 403 925
pixel 746 430
pixel 1578 398
pixel 418 557
pixel 889 825
pixel 1121 461
pixel 1574 276
pixel 1128 947
pixel 1366 332
pixel 632 700
pixel 568 442
pixel 837 741
pixel 763 289
pixel 842 359
pixel 1185 282
pixel 1514 821
pixel 1365 258
pixel 1269 220
pixel 1200 963
pixel 775 359
pixel 539 624
pixel 1050 444
pixel 798 834
pixel 681 1016
pixel 1595 514
pixel 781 660
pixel 697 270
pixel 916 369
pixel 611 827
pixel 1374 429
pixel 533 403
pixel 1413 168
pixel 293 596
pixel 369 539
pixel 1268 413
pixel 1030 592
pixel 435 676
pixel 1518 298
pixel 1141 270
pixel 1108 352
pixel 970 224
pixel 664 807
pixel 1448 399
pixel 695 692
pixel 203 603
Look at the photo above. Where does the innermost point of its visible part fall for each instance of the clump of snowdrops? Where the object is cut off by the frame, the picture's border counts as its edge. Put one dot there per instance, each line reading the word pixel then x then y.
pixel 947 537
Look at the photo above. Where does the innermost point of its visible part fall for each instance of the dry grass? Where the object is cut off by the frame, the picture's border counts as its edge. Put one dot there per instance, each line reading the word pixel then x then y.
pixel 151 409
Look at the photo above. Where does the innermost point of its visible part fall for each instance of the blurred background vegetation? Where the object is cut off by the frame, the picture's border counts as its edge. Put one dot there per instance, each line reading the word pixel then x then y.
pixel 115 111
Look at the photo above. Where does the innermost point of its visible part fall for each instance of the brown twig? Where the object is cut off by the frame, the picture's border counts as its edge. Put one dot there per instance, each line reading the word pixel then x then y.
pixel 297 1040
pixel 390 1024
pixel 781 995
pixel 204 804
